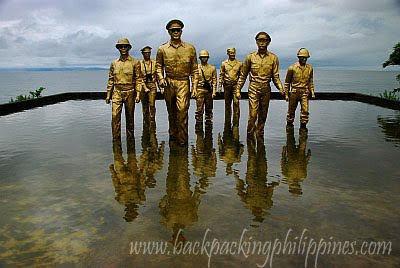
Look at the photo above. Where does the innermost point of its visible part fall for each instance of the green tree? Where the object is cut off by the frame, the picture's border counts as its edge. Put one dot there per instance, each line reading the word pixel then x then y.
pixel 394 59
pixel 33 95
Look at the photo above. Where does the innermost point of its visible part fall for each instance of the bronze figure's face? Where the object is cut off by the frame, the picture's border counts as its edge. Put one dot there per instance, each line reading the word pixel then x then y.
pixel 231 55
pixel 123 49
pixel 146 54
pixel 302 60
pixel 204 60
pixel 262 42
pixel 175 33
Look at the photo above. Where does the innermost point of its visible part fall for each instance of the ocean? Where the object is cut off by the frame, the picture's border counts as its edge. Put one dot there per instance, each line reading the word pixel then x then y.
pixel 16 83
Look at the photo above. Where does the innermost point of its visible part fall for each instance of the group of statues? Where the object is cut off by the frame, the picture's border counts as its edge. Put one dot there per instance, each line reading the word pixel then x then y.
pixel 176 68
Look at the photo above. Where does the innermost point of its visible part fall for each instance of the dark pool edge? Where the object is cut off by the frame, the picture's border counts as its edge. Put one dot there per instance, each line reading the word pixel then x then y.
pixel 9 108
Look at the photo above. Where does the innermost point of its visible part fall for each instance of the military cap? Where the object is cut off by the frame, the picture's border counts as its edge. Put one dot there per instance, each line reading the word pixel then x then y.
pixel 146 48
pixel 264 33
pixel 175 23
pixel 231 49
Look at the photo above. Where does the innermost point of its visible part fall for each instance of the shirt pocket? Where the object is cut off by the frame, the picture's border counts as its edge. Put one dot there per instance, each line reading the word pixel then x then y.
pixel 169 65
pixel 128 70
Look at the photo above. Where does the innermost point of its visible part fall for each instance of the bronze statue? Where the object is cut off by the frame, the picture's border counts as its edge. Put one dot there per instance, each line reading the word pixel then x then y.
pixel 206 89
pixel 228 77
pixel 262 66
pixel 122 79
pixel 295 160
pixel 298 86
pixel 178 60
pixel 149 85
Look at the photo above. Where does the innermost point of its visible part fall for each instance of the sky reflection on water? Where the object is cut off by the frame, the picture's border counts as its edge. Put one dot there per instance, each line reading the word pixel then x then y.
pixel 71 196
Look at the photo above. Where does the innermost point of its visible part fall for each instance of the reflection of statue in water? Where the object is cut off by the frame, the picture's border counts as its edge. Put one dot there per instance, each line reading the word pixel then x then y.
pixel 295 160
pixel 256 193
pixel 229 147
pixel 204 157
pixel 152 158
pixel 129 183
pixel 179 206
pixel 391 127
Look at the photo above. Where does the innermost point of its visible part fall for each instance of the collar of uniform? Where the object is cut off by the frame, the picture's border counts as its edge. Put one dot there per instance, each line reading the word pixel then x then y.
pixel 298 65
pixel 128 58
pixel 181 44
pixel 266 54
pixel 231 62
pixel 204 66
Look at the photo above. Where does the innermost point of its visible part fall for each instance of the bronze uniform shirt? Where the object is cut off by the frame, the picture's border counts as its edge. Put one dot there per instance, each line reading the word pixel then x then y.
pixel 123 74
pixel 299 76
pixel 179 62
pixel 261 69
pixel 230 71
pixel 150 68
pixel 210 72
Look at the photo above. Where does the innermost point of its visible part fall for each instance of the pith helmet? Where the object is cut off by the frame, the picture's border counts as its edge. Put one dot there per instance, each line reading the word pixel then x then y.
pixel 204 53
pixel 175 23
pixel 123 41
pixel 303 53
pixel 146 49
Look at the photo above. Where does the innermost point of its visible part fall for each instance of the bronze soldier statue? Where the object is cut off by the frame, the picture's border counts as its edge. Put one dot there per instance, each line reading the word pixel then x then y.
pixel 262 66
pixel 298 86
pixel 122 79
pixel 206 89
pixel 177 59
pixel 149 85
pixel 228 77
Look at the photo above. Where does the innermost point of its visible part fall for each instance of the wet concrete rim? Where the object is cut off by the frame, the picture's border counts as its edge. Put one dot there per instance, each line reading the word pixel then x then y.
pixel 10 108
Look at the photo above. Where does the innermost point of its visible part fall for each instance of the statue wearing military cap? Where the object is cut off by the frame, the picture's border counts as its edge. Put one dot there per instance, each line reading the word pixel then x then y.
pixel 176 61
pixel 174 24
pixel 149 87
pixel 262 66
pixel 121 88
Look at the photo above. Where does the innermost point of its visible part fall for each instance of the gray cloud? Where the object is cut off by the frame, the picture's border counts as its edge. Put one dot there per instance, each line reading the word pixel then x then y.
pixel 74 33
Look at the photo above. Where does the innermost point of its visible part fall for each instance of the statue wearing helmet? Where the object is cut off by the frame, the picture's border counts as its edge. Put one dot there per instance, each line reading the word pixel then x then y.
pixel 206 89
pixel 123 88
pixel 298 86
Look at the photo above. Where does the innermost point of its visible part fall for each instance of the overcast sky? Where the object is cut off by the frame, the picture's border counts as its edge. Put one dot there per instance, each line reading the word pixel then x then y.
pixel 340 33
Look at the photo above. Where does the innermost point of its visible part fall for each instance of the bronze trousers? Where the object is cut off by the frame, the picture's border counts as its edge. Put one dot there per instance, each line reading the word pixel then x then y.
pixel 300 95
pixel 176 96
pixel 229 96
pixel 123 98
pixel 148 100
pixel 259 96
pixel 204 101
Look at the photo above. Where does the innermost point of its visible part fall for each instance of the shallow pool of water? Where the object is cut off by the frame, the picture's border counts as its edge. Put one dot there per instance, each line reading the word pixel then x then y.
pixel 70 197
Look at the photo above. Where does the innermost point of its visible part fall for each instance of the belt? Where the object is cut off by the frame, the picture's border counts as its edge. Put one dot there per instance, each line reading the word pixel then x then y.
pixel 124 87
pixel 185 78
